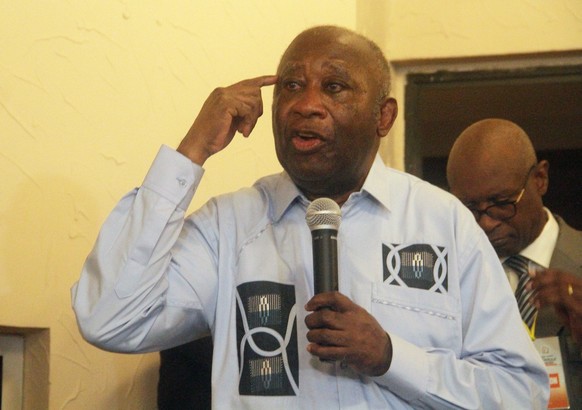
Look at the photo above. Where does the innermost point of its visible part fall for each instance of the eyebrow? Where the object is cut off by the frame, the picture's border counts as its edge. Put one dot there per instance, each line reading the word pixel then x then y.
pixel 493 199
pixel 334 67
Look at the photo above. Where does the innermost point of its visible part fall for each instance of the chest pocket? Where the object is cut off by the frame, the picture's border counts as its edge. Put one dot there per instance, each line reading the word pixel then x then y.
pixel 413 301
pixel 424 318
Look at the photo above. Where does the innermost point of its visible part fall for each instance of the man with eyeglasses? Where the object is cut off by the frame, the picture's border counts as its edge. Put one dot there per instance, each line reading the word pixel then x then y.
pixel 493 169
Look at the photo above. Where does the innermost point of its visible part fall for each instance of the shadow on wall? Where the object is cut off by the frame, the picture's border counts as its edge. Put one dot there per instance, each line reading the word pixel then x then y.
pixel 137 392
pixel 48 226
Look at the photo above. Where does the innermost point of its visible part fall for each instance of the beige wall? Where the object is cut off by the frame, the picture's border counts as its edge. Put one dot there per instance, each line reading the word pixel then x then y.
pixel 89 90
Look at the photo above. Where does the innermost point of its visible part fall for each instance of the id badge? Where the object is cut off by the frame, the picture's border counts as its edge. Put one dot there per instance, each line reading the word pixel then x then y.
pixel 551 354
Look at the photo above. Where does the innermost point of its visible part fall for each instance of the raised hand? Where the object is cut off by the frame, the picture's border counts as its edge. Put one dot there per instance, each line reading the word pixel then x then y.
pixel 226 111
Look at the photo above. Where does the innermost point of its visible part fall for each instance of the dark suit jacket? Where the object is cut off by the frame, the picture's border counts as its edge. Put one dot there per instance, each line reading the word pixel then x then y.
pixel 567 256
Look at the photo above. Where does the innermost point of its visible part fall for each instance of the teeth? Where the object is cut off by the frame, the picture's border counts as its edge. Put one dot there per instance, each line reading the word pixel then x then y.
pixel 306 135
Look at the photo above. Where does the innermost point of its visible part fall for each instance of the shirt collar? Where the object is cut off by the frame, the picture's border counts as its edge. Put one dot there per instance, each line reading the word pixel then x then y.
pixel 377 182
pixel 283 193
pixel 541 249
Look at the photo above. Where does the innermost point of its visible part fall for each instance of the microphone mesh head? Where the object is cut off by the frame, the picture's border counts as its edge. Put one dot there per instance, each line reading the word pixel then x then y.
pixel 323 213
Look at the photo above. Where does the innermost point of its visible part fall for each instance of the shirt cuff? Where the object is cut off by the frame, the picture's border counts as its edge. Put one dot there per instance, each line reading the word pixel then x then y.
pixel 407 376
pixel 173 176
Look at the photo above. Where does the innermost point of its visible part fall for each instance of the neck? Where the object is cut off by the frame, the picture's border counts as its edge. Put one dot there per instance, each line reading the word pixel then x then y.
pixel 339 199
pixel 340 196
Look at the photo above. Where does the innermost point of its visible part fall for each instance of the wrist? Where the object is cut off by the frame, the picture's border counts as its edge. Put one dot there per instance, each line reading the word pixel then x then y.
pixel 196 155
pixel 386 361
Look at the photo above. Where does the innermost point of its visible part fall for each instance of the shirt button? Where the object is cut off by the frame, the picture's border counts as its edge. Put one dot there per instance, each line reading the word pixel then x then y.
pixel 182 182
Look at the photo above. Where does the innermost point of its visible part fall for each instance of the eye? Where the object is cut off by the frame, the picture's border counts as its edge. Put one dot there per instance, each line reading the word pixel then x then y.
pixel 291 85
pixel 334 87
pixel 502 203
pixel 499 200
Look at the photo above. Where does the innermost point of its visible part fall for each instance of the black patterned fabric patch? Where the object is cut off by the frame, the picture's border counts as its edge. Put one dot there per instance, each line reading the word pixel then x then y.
pixel 420 266
pixel 267 339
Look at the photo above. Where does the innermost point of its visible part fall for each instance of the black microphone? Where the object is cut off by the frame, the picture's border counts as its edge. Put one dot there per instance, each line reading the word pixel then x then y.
pixel 323 218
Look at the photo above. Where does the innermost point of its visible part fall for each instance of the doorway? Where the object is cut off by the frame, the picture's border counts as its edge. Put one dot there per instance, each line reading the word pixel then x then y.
pixel 545 101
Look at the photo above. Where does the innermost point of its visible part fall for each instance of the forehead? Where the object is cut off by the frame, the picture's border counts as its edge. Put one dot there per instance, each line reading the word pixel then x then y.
pixel 341 54
pixel 477 182
pixel 337 67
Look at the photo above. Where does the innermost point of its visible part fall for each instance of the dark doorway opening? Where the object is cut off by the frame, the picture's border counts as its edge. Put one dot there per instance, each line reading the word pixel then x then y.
pixel 545 101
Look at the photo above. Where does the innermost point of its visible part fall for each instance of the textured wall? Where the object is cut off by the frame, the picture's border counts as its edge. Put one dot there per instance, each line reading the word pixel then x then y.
pixel 88 92
pixel 420 29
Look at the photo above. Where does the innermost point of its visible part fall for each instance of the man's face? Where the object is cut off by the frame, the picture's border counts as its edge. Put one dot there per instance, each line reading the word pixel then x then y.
pixel 325 115
pixel 480 186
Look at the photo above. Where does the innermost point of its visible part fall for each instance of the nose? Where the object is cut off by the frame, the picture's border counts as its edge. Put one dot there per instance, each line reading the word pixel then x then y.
pixel 309 102
pixel 487 223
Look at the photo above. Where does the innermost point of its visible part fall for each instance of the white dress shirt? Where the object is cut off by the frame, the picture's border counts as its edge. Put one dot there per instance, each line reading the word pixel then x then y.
pixel 540 250
pixel 241 268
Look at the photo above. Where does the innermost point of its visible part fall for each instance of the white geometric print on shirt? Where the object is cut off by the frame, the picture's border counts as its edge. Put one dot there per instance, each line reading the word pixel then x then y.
pixel 267 339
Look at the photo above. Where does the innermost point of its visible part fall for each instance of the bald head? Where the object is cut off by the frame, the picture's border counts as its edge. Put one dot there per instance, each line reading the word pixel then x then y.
pixel 491 145
pixel 370 53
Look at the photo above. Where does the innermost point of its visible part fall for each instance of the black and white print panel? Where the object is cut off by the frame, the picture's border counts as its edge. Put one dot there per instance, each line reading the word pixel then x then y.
pixel 267 339
pixel 420 266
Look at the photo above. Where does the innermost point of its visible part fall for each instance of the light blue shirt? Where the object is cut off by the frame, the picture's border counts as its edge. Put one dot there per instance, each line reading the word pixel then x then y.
pixel 241 268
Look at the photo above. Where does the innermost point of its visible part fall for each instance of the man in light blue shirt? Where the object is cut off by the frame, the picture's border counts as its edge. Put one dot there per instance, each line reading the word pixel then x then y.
pixel 424 317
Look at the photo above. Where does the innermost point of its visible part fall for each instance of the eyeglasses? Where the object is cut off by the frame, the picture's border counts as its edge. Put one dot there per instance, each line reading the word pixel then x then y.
pixel 502 210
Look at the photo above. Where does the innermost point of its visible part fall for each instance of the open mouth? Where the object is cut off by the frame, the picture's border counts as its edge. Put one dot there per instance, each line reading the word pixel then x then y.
pixel 306 141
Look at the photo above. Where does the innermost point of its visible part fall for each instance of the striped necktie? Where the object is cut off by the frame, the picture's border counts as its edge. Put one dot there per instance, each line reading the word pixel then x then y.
pixel 522 266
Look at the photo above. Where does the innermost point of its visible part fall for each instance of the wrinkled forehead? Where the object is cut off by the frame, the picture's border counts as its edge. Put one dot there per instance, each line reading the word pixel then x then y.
pixel 336 49
pixel 479 180
pixel 334 66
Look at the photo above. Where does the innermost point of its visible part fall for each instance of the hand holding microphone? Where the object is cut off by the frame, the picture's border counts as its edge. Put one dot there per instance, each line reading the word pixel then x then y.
pixel 339 329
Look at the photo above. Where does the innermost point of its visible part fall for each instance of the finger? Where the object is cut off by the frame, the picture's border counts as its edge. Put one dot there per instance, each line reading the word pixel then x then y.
pixel 323 319
pixel 548 295
pixel 545 277
pixel 334 300
pixel 328 353
pixel 261 81
pixel 250 120
pixel 328 337
pixel 266 80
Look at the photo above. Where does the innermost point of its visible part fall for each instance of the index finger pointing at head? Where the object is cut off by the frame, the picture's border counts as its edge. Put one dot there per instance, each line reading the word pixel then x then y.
pixel 262 80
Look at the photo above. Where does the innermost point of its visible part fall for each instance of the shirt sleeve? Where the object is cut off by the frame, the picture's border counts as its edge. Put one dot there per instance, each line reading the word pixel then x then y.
pixel 120 300
pixel 496 365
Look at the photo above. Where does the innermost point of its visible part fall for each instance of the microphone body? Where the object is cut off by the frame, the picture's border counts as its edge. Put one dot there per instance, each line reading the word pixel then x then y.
pixel 323 218
pixel 324 260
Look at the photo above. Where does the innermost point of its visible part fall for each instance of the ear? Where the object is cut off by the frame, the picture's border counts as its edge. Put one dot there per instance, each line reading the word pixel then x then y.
pixel 388 113
pixel 541 176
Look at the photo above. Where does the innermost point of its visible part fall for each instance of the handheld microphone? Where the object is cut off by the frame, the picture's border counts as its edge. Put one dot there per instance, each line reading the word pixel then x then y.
pixel 323 218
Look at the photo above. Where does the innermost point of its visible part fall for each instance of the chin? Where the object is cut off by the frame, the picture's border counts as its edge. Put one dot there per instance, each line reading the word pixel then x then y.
pixel 313 172
pixel 505 251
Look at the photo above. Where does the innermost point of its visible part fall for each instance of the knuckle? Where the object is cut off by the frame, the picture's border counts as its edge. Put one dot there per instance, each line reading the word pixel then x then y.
pixel 327 317
pixel 219 91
